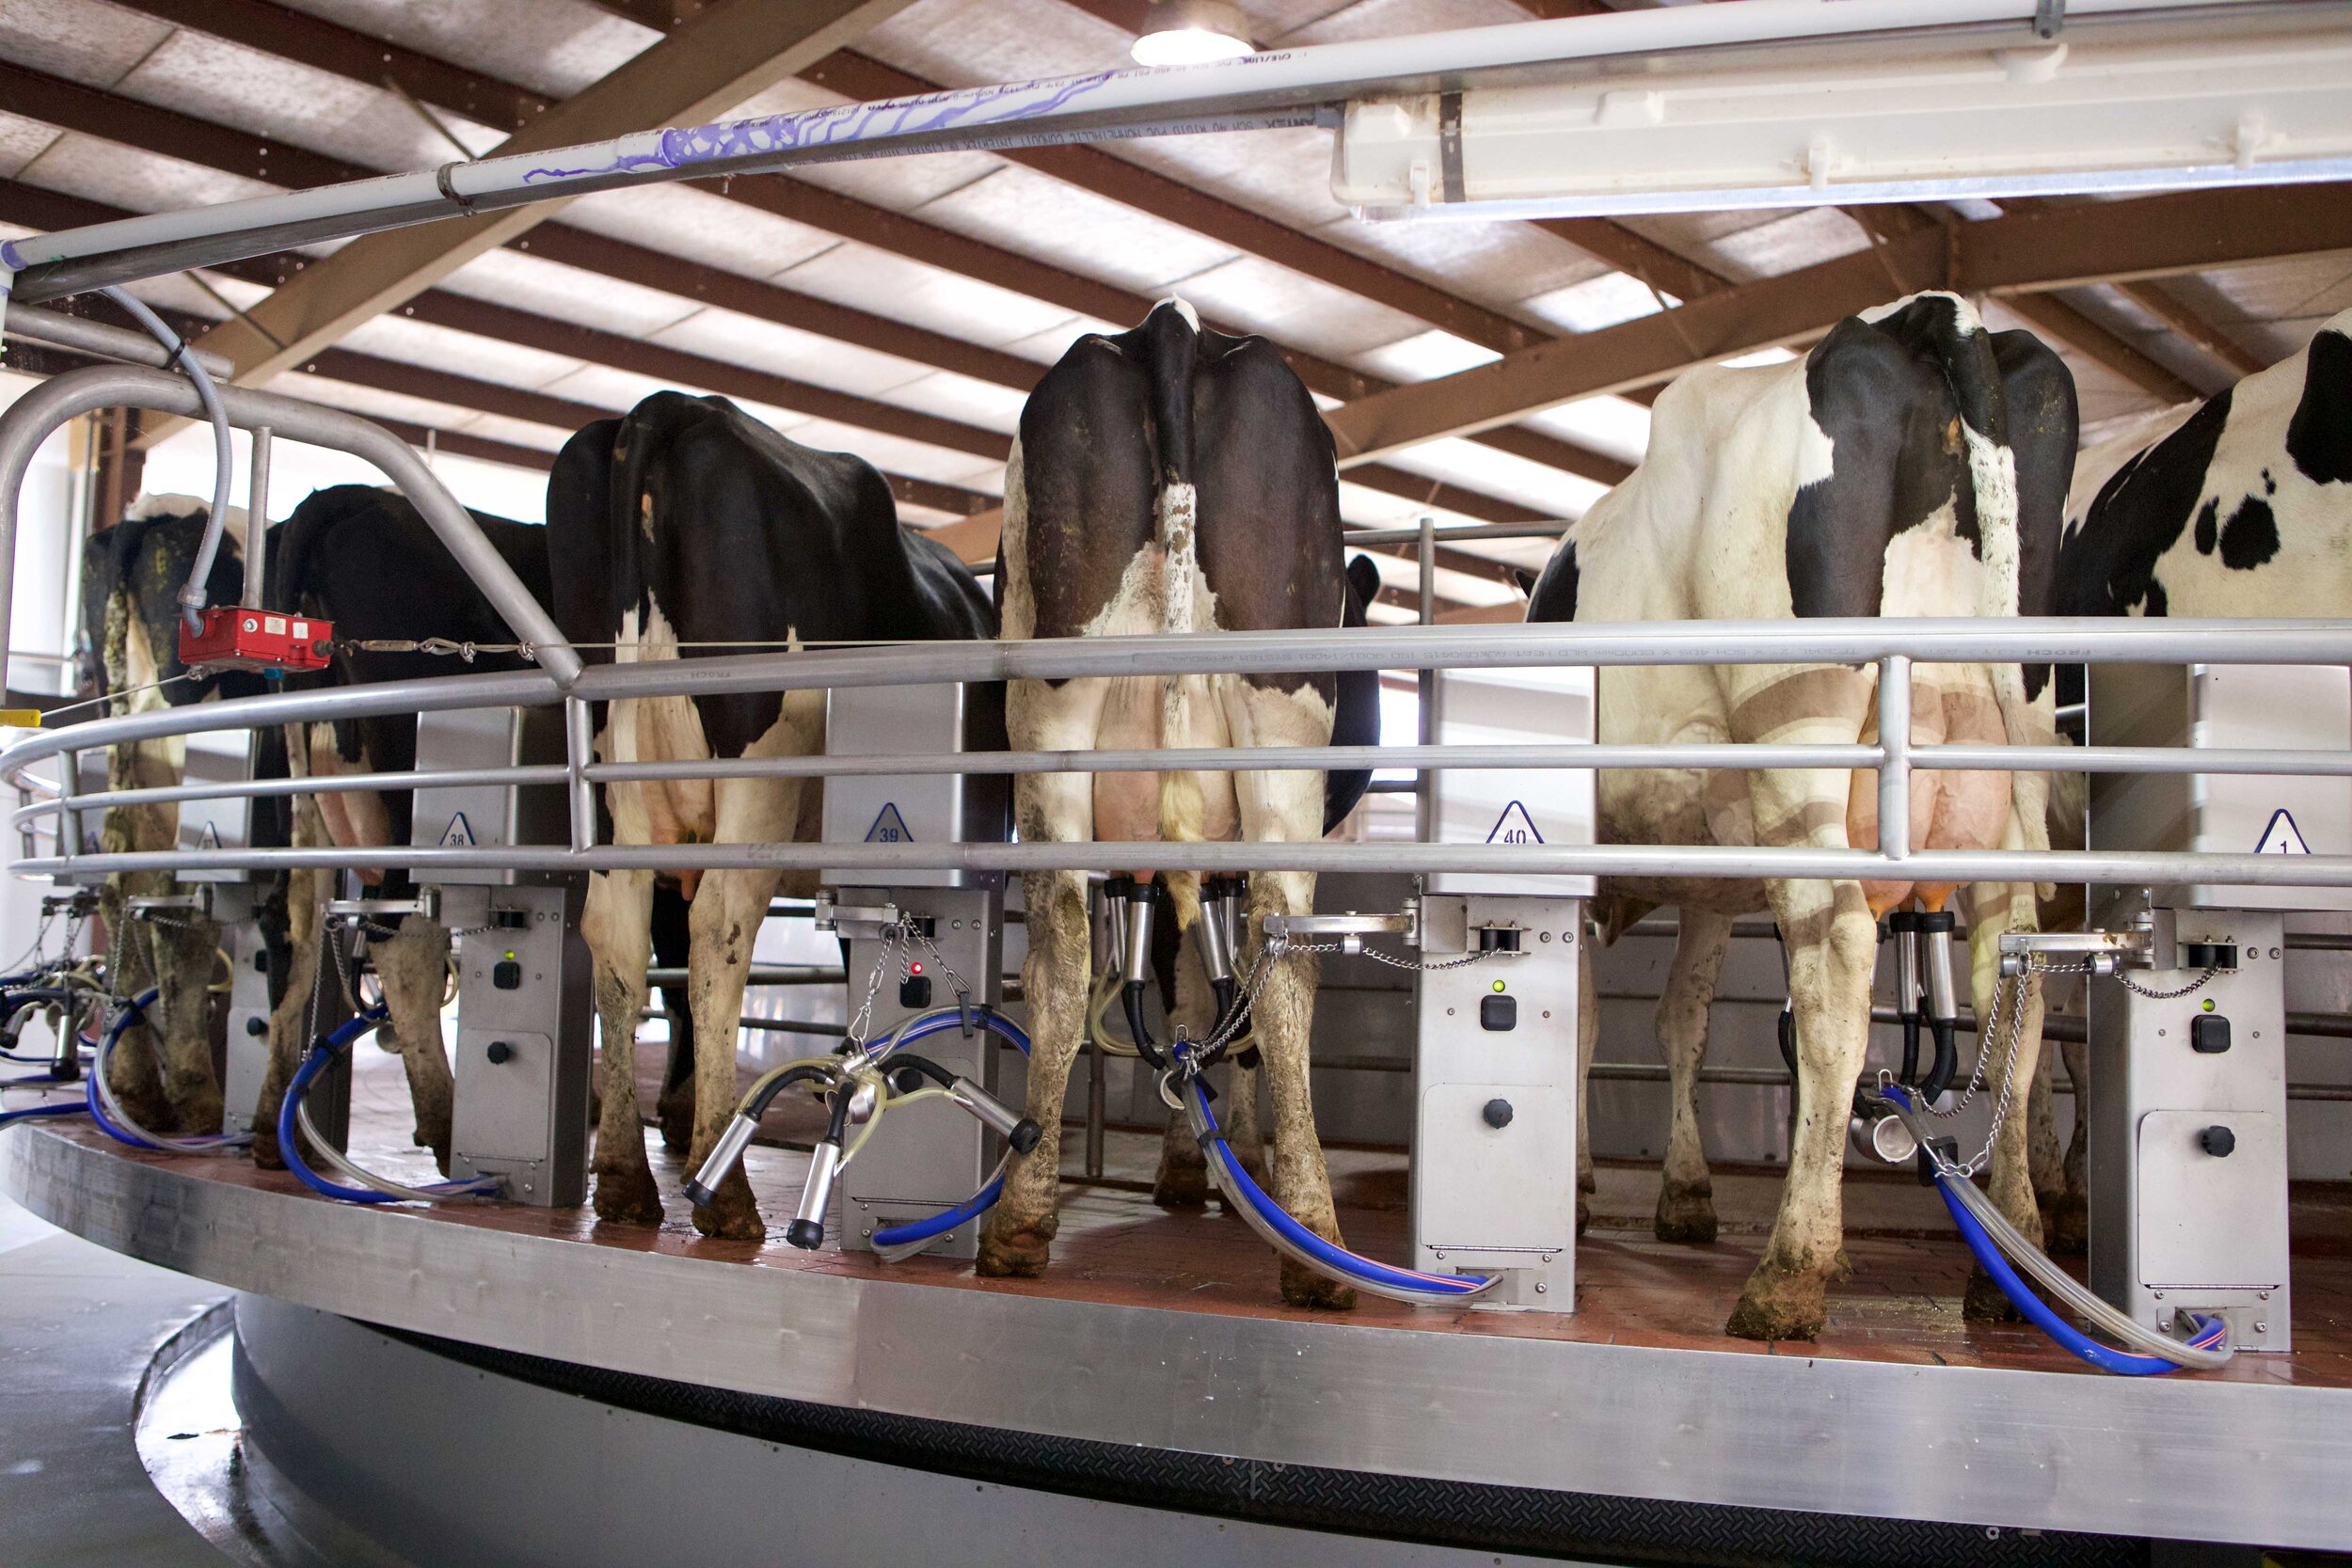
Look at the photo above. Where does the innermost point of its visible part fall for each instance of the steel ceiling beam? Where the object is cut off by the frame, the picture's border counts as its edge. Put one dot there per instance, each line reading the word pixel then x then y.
pixel 2047 314
pixel 2029 252
pixel 733 49
pixel 114 116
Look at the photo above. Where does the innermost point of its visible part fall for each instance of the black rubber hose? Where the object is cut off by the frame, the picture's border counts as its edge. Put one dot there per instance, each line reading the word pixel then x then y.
pixel 798 1075
pixel 1787 1032
pixel 1946 1065
pixel 1911 1049
pixel 920 1067
pixel 1131 1000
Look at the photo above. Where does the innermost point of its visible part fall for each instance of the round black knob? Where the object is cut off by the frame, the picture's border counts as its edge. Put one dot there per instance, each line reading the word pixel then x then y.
pixel 499 1052
pixel 257 1025
pixel 1498 1112
pixel 2217 1141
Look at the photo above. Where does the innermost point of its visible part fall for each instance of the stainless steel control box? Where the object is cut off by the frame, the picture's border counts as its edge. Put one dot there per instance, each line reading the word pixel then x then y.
pixel 525 1033
pixel 915 808
pixel 2222 706
pixel 2188 1121
pixel 1495 1127
pixel 1512 805
pixel 216 757
pixel 489 816
pixel 246 1065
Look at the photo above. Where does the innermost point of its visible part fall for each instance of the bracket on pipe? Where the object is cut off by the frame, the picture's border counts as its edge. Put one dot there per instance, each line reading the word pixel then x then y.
pixel 1351 928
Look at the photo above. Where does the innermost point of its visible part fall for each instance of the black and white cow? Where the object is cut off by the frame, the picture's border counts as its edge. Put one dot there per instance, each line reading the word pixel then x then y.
pixel 1168 478
pixel 682 526
pixel 131 575
pixel 2240 506
pixel 1911 464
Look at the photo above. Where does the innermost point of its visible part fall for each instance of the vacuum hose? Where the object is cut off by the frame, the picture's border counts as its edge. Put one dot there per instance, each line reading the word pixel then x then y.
pixel 1295 1242
pixel 1990 1235
pixel 293 1125
pixel 224 457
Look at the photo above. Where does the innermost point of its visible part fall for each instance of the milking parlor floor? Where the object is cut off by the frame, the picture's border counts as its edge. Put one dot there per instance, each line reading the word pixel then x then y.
pixel 1901 1303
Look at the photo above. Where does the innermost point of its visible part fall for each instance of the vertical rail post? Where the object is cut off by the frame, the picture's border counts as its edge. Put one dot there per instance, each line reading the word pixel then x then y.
pixel 69 820
pixel 1895 750
pixel 257 518
pixel 579 746
pixel 1096 1115
pixel 1426 680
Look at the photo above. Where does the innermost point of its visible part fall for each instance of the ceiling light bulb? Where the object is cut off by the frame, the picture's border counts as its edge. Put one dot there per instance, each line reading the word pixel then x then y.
pixel 1192 32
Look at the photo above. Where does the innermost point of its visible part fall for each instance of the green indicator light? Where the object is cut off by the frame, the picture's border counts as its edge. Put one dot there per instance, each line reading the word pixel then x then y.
pixel 510 954
pixel 2208 1004
pixel 1498 985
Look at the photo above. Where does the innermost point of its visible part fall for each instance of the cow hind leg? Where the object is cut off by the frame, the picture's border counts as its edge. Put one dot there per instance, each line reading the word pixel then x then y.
pixel 1018 1240
pixel 414 968
pixel 725 920
pixel 1686 1200
pixel 672 942
pixel 1833 947
pixel 133 1068
pixel 290 1013
pixel 2070 1220
pixel 1995 907
pixel 615 924
pixel 187 949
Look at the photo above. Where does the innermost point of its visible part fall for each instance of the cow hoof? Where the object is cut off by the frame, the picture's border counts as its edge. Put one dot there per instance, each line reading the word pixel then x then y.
pixel 1304 1287
pixel 1841 1267
pixel 1686 1214
pixel 1181 1187
pixel 1984 1303
pixel 200 1116
pixel 266 1154
pixel 150 1110
pixel 2067 1225
pixel 732 1215
pixel 1020 1254
pixel 1779 1303
pixel 627 1195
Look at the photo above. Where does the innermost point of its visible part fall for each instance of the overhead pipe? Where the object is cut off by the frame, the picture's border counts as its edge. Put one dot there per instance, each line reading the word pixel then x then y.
pixel 1279 87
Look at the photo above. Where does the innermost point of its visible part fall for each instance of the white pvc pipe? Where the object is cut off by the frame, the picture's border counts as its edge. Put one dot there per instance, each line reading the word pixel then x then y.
pixel 1281 87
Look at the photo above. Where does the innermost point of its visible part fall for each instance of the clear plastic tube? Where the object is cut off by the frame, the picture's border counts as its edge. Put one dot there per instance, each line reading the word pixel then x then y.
pixel 224 454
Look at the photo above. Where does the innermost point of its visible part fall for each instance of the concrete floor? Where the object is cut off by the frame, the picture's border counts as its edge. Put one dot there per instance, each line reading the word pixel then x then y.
pixel 79 1326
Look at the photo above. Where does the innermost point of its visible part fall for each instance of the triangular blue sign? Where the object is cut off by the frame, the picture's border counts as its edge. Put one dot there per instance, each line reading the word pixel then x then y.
pixel 889 828
pixel 460 834
pixel 2281 837
pixel 1515 827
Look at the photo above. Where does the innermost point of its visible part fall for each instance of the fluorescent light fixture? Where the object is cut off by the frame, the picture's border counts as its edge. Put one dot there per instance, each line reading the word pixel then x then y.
pixel 2259 97
pixel 1192 32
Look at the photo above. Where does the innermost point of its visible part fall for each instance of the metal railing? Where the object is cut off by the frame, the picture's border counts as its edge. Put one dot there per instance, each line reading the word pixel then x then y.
pixel 1892 644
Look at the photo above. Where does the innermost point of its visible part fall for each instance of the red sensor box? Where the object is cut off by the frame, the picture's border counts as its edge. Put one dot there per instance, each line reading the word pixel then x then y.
pixel 259 640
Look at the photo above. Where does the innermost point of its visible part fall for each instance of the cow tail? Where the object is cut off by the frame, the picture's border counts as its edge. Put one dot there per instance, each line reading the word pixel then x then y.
pixel 1975 380
pixel 1172 334
pixel 294 546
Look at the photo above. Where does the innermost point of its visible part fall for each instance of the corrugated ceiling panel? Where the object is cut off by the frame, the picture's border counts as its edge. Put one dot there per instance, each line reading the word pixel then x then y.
pixel 618 391
pixel 550 46
pixel 1501 474
pixel 960 397
pixel 376 405
pixel 788 350
pixel 1091 235
pixel 522 433
pixel 1422 355
pixel 546 288
pixel 1599 302
pixel 2281 304
pixel 925 295
pixel 143 182
pixel 79 40
pixel 21 142
pixel 1612 425
pixel 1295 309
pixel 696 224
pixel 415 343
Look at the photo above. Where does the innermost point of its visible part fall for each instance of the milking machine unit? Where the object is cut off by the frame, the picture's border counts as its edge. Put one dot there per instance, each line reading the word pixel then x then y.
pixel 923 951
pixel 525 1011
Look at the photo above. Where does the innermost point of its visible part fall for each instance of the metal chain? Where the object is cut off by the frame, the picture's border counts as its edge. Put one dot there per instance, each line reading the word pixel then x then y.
pixel 2194 986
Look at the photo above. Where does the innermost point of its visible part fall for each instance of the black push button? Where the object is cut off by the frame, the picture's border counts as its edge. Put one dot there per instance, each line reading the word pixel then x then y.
pixel 1498 1114
pixel 2220 1142
pixel 257 1026
pixel 506 974
pixel 1497 1014
pixel 499 1050
pixel 2209 1033
pixel 915 990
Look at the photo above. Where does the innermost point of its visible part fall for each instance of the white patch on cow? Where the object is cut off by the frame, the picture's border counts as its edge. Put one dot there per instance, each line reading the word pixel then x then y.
pixel 1930 570
pixel 1182 308
pixel 184 506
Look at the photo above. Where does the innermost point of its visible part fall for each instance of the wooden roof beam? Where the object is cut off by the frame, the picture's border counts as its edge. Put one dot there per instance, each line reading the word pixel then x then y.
pixel 733 49
pixel 2031 252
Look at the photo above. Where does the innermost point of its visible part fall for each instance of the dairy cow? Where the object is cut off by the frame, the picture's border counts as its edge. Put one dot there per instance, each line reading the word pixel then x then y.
pixel 1910 464
pixel 2238 506
pixel 1168 478
pixel 685 527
